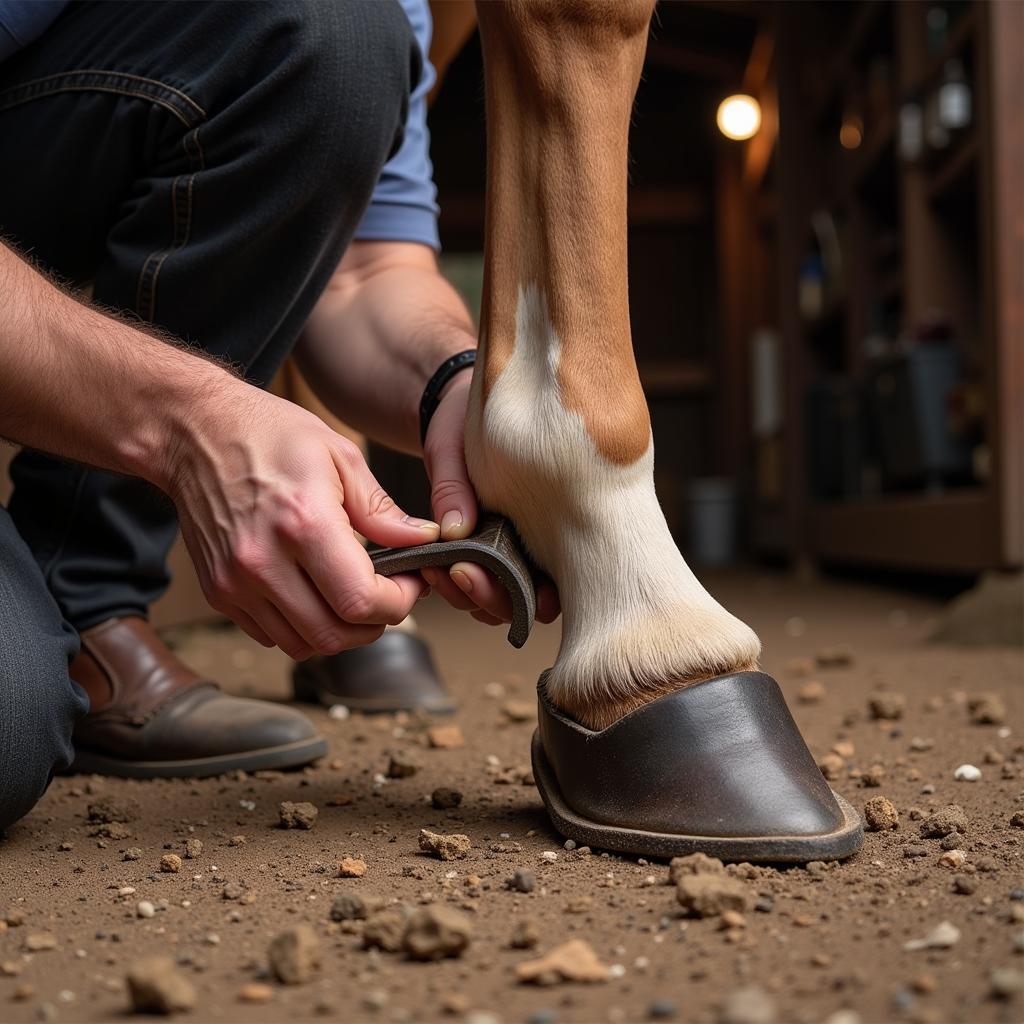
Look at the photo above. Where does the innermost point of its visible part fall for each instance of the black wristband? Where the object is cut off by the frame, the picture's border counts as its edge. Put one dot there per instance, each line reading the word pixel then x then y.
pixel 432 392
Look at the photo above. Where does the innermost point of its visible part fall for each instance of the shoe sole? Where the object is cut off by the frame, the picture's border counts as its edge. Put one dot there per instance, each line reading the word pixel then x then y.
pixel 306 691
pixel 844 842
pixel 288 755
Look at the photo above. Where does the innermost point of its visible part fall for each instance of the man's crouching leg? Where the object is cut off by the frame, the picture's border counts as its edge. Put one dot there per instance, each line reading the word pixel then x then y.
pixel 38 702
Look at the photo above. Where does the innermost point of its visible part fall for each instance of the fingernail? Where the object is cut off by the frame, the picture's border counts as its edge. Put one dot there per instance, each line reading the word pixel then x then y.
pixel 451 521
pixel 462 581
pixel 422 524
pixel 424 594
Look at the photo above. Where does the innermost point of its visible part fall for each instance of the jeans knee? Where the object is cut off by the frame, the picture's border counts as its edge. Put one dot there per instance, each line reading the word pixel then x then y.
pixel 350 70
pixel 38 710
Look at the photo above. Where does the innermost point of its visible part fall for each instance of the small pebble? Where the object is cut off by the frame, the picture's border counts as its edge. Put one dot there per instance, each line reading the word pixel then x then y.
pixel 255 992
pixel 144 908
pixel 170 863
pixel 880 814
pixel 437 932
pixel 352 867
pixel 444 799
pixel 887 706
pixel 965 885
pixel 942 936
pixel 157 986
pixel 296 815
pixel 986 709
pixel 812 692
pixel 523 881
pixel 942 822
pixel 1006 982
pixel 967 773
pixel 445 737
pixel 953 859
pixel 662 1009
pixel 294 955
pixel 445 847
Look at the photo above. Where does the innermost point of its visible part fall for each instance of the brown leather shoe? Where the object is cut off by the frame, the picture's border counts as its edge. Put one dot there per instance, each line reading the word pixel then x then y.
pixel 394 673
pixel 151 716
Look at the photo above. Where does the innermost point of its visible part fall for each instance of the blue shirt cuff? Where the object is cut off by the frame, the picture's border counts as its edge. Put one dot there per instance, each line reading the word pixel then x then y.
pixel 399 222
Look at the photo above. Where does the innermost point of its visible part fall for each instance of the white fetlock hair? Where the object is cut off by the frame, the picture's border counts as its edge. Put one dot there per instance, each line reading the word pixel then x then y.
pixel 635 618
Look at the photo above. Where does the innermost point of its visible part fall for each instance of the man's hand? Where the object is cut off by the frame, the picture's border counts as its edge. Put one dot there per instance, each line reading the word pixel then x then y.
pixel 268 497
pixel 466 585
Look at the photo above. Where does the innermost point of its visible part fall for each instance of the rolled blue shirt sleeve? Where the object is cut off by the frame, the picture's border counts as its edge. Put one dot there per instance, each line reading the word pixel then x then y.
pixel 404 204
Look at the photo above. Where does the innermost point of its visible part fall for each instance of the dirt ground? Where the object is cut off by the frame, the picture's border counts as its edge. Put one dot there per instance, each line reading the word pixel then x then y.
pixel 823 944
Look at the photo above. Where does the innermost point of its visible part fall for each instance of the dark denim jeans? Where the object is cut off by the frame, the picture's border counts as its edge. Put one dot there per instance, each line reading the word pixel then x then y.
pixel 204 165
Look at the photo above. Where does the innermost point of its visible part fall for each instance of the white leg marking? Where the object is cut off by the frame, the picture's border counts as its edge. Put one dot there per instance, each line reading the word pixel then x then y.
pixel 634 615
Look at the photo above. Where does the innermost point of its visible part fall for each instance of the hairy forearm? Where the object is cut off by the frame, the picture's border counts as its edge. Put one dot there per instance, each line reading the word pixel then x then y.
pixel 81 384
pixel 385 323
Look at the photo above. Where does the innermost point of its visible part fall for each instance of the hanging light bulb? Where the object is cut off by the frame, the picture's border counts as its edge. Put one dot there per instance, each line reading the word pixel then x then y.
pixel 739 116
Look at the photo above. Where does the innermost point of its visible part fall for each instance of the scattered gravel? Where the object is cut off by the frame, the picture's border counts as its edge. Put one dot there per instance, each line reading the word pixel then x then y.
pixel 880 814
pixel 887 707
pixel 386 929
pixel 351 906
pixel 445 847
pixel 519 710
pixel 748 1005
pixel 352 867
pixel 942 936
pixel 109 809
pixel 294 955
pixel 832 766
pixel 942 822
pixel 402 765
pixel 255 992
pixel 436 932
pixel 155 985
pixel 693 864
pixel 986 709
pixel 525 933
pixel 297 815
pixel 812 692
pixel 573 961
pixel 445 799
pixel 522 881
pixel 709 895
pixel 445 737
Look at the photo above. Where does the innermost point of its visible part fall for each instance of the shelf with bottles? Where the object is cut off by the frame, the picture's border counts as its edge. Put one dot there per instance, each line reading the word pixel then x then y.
pixel 949 35
pixel 937 112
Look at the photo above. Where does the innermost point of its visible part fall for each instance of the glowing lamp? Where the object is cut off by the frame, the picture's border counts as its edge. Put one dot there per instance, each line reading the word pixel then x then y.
pixel 739 117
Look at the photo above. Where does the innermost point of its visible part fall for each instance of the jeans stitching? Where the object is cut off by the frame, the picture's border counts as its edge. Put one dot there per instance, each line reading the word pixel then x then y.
pixel 145 302
pixel 61 82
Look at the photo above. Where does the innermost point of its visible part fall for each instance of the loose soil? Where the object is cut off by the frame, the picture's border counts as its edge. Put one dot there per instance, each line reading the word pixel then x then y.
pixel 815 943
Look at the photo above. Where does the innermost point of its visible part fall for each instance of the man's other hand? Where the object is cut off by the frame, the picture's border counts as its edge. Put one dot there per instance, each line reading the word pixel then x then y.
pixel 466 585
